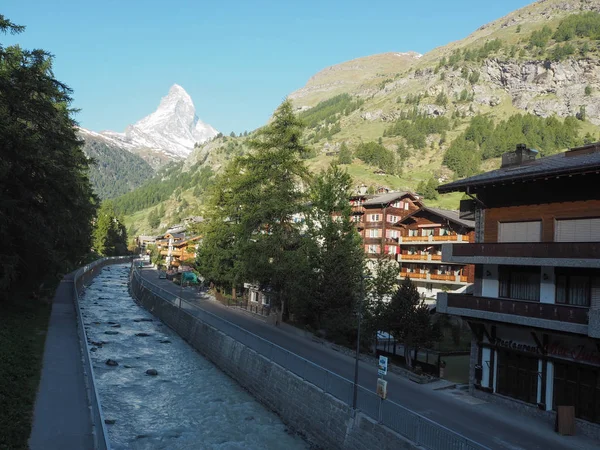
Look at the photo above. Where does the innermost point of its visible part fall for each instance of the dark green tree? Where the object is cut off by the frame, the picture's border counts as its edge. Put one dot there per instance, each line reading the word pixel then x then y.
pixel 259 197
pixel 409 320
pixel 345 156
pixel 336 260
pixel 46 200
pixel 110 234
pixel 153 219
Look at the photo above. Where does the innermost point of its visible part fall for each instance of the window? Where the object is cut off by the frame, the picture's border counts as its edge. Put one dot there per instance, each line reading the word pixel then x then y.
pixel 373 249
pixel 427 232
pixel 392 249
pixel 577 287
pixel 398 204
pixel 412 232
pixel 517 376
pixel 406 206
pixel 392 234
pixel 520 282
pixel 374 217
pixel 374 232
pixel 444 232
pixel 520 231
pixel 392 219
pixel 355 218
pixel 578 386
pixel 577 230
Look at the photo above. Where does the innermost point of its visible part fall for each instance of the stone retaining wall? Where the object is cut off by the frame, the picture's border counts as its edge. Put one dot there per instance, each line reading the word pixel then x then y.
pixel 321 418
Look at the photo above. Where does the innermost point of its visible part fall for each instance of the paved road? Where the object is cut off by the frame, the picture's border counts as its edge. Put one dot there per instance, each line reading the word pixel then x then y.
pixel 490 424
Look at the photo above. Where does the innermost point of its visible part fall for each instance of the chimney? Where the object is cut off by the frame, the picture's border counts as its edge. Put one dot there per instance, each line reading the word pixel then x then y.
pixel 521 155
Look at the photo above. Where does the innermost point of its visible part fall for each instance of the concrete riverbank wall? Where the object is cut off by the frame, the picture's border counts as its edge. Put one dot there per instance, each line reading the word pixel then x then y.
pixel 323 419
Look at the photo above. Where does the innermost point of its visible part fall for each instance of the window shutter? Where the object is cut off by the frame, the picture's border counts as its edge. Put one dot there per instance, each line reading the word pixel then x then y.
pixel 520 231
pixel 578 230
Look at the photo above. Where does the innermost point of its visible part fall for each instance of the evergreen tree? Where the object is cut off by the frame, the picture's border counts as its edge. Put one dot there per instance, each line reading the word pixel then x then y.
pixel 153 219
pixel 260 194
pixel 110 234
pixel 336 258
pixel 345 155
pixel 46 200
pixel 409 320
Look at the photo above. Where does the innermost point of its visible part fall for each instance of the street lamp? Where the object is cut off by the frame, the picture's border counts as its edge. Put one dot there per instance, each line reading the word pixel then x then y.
pixel 360 300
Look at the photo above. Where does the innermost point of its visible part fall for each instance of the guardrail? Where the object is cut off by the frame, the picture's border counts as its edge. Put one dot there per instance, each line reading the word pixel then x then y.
pixel 80 276
pixel 412 425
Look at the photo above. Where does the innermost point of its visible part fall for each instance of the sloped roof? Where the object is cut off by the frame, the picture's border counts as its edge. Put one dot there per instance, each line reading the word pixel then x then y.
pixel 572 162
pixel 448 214
pixel 389 197
pixel 454 216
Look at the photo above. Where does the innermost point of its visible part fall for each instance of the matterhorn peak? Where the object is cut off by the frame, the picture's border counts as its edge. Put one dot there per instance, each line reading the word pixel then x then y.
pixel 173 128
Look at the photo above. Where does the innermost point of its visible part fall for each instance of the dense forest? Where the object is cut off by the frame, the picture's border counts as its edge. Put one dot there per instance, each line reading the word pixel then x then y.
pixel 169 179
pixel 114 171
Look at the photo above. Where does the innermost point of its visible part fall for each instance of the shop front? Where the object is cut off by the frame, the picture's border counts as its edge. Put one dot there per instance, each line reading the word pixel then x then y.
pixel 543 369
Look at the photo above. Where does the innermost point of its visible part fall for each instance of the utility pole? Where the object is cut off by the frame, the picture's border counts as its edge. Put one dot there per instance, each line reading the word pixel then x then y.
pixel 360 300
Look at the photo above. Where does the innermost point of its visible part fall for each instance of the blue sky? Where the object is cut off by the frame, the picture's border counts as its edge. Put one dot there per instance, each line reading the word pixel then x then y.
pixel 237 59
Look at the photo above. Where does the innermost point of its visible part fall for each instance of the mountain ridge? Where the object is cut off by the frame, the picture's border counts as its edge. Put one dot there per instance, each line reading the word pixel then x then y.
pixel 168 133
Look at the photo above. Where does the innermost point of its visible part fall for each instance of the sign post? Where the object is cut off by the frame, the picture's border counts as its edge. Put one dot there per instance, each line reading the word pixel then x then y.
pixel 382 369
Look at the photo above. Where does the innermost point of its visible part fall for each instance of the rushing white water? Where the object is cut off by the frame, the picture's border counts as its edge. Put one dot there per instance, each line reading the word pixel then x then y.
pixel 190 404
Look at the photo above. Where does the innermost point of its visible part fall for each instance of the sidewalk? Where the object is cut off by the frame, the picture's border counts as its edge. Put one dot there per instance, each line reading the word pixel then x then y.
pixel 61 418
pixel 491 424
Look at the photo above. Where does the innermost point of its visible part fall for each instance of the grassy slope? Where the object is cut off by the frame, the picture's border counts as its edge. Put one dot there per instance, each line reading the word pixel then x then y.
pixel 23 325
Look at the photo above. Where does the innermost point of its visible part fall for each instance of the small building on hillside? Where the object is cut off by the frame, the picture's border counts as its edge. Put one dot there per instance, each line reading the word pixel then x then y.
pixel 422 234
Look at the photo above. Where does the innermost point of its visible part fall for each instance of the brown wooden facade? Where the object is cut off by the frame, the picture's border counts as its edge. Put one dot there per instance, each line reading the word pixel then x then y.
pixel 376 218
pixel 535 306
pixel 421 236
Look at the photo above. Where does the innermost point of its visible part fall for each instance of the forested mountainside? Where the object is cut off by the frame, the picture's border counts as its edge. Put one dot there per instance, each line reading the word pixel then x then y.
pixel 115 171
pixel 407 121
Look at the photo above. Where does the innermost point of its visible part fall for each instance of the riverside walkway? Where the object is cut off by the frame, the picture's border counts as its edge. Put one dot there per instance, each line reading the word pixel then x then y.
pixel 61 418
pixel 491 424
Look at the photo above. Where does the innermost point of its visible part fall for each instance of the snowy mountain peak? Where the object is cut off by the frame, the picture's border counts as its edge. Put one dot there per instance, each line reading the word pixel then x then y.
pixel 172 129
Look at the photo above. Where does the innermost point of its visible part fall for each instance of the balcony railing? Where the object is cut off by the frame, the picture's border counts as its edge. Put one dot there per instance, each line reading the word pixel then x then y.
pixel 450 278
pixel 419 257
pixel 437 239
pixel 548 311
pixel 578 250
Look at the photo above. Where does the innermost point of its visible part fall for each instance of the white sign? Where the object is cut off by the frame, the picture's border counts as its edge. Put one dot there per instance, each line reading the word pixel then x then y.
pixel 382 366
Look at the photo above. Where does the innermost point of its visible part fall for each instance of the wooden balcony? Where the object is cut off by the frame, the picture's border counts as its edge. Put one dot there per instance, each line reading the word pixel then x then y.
pixel 534 310
pixel 434 277
pixel 434 239
pixel 419 257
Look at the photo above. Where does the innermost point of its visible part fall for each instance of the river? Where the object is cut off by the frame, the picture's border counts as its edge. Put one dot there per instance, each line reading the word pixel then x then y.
pixel 190 404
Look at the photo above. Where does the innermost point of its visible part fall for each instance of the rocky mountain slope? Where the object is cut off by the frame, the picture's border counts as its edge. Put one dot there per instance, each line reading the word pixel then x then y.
pixel 169 133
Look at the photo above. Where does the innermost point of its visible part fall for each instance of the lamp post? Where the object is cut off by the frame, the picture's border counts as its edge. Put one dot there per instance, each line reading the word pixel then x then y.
pixel 360 300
